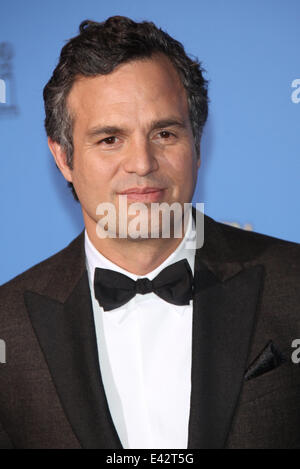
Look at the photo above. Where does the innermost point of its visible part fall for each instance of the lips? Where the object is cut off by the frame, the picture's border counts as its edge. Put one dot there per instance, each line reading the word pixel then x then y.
pixel 145 190
pixel 146 194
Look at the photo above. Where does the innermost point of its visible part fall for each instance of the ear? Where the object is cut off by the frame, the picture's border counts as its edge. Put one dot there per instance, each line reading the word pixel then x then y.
pixel 60 159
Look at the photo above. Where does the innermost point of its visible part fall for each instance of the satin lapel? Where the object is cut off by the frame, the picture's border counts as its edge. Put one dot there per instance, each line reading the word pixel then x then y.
pixel 67 337
pixel 223 321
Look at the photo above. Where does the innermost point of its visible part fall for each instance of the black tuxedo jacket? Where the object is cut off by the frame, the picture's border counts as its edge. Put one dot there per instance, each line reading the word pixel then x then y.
pixel 245 386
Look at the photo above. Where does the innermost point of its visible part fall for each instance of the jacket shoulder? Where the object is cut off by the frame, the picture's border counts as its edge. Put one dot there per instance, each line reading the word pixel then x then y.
pixel 250 246
pixel 40 274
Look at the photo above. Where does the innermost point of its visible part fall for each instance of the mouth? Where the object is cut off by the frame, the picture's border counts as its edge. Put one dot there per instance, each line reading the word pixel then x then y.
pixel 146 194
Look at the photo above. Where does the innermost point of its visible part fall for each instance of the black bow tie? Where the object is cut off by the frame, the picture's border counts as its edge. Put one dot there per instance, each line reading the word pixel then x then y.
pixel 173 284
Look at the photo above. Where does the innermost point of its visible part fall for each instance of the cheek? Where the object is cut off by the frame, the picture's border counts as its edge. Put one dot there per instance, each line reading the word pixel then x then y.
pixel 92 174
pixel 184 175
pixel 184 167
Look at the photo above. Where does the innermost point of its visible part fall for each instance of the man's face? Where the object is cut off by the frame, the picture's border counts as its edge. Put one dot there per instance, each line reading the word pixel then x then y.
pixel 132 130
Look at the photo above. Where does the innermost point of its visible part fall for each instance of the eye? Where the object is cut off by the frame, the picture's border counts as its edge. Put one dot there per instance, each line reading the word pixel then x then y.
pixel 109 140
pixel 165 134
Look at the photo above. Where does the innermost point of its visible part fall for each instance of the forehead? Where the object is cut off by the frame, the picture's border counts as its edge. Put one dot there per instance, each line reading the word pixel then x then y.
pixel 140 89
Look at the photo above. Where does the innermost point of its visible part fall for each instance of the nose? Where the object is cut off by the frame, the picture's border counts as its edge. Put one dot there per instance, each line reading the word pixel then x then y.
pixel 141 158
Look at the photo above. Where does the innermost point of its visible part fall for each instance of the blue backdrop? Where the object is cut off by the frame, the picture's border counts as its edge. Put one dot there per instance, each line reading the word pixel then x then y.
pixel 250 148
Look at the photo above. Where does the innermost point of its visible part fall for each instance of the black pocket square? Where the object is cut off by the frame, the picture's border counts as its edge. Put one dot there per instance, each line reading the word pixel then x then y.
pixel 267 360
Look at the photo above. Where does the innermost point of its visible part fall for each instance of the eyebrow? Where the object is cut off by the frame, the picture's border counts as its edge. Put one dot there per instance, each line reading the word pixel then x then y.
pixel 156 124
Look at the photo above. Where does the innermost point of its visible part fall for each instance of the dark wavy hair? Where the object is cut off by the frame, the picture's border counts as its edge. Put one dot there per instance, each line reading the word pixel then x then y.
pixel 97 50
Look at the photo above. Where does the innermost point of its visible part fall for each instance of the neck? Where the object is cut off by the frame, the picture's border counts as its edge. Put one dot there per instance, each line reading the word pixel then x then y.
pixel 136 256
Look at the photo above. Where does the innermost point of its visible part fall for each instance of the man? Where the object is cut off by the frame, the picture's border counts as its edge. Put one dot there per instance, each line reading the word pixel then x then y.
pixel 125 339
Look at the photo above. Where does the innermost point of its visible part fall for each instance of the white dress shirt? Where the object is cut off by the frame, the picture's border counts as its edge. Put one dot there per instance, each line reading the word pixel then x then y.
pixel 145 349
